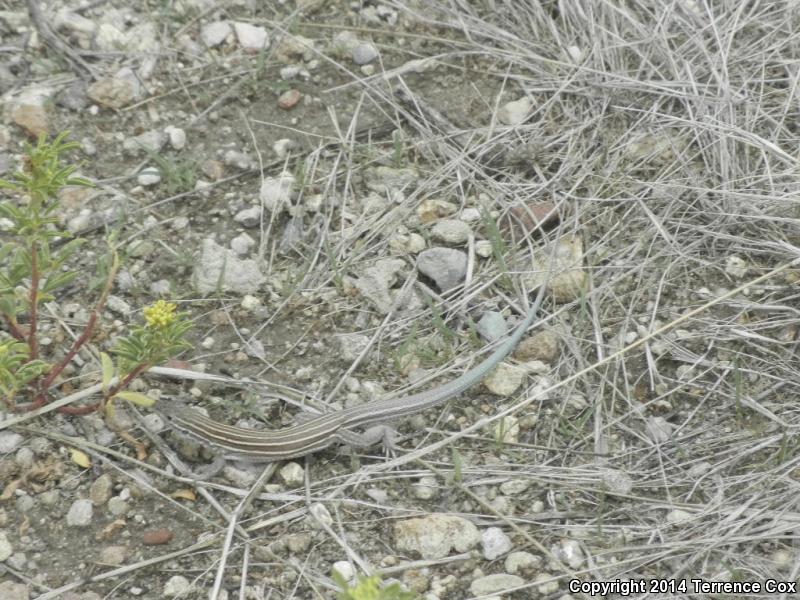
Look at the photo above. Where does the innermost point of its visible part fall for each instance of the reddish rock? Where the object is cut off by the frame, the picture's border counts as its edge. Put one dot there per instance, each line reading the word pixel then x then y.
pixel 527 218
pixel 157 537
pixel 289 99
pixel 32 118
pixel 111 92
pixel 213 169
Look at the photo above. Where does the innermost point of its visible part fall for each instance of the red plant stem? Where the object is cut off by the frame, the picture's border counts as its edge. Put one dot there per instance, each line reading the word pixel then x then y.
pixel 13 329
pixel 85 336
pixel 33 342
pixel 138 370
pixel 82 339
pixel 33 405
pixel 89 408
pixel 79 410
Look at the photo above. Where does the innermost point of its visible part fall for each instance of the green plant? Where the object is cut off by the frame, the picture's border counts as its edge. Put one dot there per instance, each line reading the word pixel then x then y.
pixel 160 338
pixel 33 269
pixel 178 176
pixel 498 246
pixel 399 150
pixel 369 588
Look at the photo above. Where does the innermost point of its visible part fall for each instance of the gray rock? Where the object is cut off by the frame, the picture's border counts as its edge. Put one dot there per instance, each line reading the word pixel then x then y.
pixel 435 535
pixel 376 281
pixel 350 345
pixel 240 160
pixel 251 37
pixel 10 590
pixel 177 137
pixel 71 21
pixel 569 552
pixel 292 474
pixel 345 41
pixel 17 560
pixel 240 477
pixel 117 305
pixel 142 38
pixel 517 562
pixel 276 192
pixel 111 92
pixel 515 112
pixel 214 34
pixel 140 248
pixel 6 549
pixel 495 543
pixel 617 482
pixel 117 506
pixel 101 489
pixel 426 488
pixel 242 244
pixel 320 515
pixel 9 441
pixel 114 555
pixel 678 516
pixel 40 446
pixel 389 180
pixel 133 78
pixel 345 569
pixel 220 269
pixel 446 266
pixel 451 231
pixel 659 430
pixel 24 457
pixel 547 584
pixel 149 141
pixel 25 503
pixel 249 217
pixel 298 542
pixel 505 379
pixel 495 584
pixel 364 53
pixel 73 97
pixel 699 469
pixel 161 288
pixel 492 326
pixel 514 487
pixel 736 266
pixel 49 498
pixel 176 586
pixel 80 513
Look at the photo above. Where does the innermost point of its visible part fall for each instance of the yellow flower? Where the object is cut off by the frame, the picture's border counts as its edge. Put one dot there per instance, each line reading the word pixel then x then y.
pixel 160 315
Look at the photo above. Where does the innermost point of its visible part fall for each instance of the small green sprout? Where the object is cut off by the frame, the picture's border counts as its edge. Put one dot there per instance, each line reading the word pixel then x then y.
pixel 369 588
pixel 16 371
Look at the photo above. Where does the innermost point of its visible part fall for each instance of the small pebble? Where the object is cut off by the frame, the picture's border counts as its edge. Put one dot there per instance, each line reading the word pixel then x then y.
pixel 364 53
pixel 177 586
pixel 149 176
pixel 101 489
pixel 345 569
pixel 117 506
pixel 157 537
pixel 9 441
pixel 6 549
pixel 495 543
pixel 80 513
pixel 289 99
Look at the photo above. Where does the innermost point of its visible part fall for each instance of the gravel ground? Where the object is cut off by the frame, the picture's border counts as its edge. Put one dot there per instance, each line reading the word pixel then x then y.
pixel 352 199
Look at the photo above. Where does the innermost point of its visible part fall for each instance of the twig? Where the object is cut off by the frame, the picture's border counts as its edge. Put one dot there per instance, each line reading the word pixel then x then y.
pixel 81 68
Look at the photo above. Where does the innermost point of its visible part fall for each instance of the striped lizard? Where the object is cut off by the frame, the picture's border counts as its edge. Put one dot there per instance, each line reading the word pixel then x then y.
pixel 321 431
